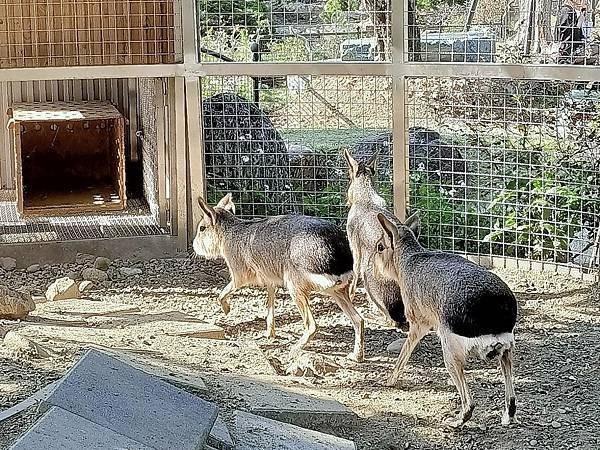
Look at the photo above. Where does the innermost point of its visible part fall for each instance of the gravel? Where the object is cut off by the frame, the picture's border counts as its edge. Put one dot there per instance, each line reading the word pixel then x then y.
pixel 557 374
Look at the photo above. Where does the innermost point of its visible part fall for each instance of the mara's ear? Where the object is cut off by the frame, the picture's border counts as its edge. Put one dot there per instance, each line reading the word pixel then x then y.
pixel 414 223
pixel 390 232
pixel 352 164
pixel 226 203
pixel 207 210
pixel 372 162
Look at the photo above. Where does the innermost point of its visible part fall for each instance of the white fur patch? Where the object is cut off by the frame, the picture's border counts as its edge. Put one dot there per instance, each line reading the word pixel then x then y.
pixel 481 344
pixel 324 281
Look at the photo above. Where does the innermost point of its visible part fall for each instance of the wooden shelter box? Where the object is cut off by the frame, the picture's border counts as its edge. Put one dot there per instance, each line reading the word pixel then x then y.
pixel 69 157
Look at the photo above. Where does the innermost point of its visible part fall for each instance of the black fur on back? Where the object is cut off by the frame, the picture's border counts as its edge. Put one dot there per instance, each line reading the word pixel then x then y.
pixel 337 259
pixel 473 301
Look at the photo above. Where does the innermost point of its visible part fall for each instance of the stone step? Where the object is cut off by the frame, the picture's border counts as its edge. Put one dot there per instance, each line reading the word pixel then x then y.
pixel 219 437
pixel 60 429
pixel 128 401
pixel 254 432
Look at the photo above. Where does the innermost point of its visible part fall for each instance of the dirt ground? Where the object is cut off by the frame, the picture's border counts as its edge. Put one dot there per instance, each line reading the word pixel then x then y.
pixel 557 365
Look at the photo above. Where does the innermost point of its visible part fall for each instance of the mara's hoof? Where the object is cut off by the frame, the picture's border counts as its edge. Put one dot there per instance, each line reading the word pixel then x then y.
pixel 391 381
pixel 508 420
pixel 454 422
pixel 356 357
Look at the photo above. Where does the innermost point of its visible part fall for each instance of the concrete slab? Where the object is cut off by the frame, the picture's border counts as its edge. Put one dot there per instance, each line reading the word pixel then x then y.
pixel 219 437
pixel 61 430
pixel 77 309
pixel 253 432
pixel 275 397
pixel 173 373
pixel 112 394
pixel 186 327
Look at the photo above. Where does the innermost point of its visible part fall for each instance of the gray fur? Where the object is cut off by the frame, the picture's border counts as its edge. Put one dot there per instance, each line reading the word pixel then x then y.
pixel 300 253
pixel 471 309
pixel 364 231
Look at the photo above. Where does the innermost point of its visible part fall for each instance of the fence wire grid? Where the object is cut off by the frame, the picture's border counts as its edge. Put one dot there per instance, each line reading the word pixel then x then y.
pixel 507 168
pixel 283 152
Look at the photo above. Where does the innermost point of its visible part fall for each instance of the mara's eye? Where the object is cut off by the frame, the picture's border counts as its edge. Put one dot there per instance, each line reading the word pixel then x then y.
pixel 201 228
pixel 380 248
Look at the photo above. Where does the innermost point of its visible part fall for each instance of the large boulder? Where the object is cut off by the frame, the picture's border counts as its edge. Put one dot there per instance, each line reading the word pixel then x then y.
pixel 428 153
pixel 246 155
pixel 14 305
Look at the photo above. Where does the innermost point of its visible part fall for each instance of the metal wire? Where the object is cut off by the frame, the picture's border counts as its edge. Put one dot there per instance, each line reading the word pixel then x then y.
pixel 284 152
pixel 137 220
pixel 83 32
pixel 506 168
pixel 261 30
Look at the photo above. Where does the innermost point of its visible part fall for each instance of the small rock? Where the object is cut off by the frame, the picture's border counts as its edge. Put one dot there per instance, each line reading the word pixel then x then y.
pixel 63 289
pixel 86 286
pixel 533 442
pixel 562 411
pixel 310 364
pixel 23 347
pixel 14 305
pixel 85 259
pixel 74 275
pixel 102 263
pixel 130 272
pixel 556 424
pixel 396 346
pixel 33 268
pixel 95 275
pixel 8 264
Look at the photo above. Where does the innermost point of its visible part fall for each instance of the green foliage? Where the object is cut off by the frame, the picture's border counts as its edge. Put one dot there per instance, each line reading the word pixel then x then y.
pixel 428 5
pixel 536 218
pixel 233 15
pixel 334 6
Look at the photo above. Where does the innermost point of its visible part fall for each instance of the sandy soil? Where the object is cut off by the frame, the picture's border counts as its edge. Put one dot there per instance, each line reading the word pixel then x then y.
pixel 557 366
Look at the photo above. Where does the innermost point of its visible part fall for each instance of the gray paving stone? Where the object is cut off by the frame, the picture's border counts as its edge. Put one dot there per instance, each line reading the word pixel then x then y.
pixel 61 430
pixel 115 395
pixel 219 437
pixel 254 432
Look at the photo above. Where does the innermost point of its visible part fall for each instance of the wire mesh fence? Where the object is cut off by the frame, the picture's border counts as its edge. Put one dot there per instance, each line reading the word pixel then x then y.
pixel 278 30
pixel 524 31
pixel 507 168
pixel 83 32
pixel 278 146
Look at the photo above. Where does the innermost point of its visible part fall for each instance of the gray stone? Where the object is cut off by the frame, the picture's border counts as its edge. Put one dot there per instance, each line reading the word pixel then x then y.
pixel 63 289
pixel 60 429
pixel 8 264
pixel 74 275
pixel 95 275
pixel 302 405
pixel 114 395
pixel 33 268
pixel 254 432
pixel 102 263
pixel 84 259
pixel 14 304
pixel 130 272
pixel 396 346
pixel 219 437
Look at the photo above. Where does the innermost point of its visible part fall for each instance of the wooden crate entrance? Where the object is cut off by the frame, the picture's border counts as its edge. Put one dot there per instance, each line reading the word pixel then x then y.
pixel 69 157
